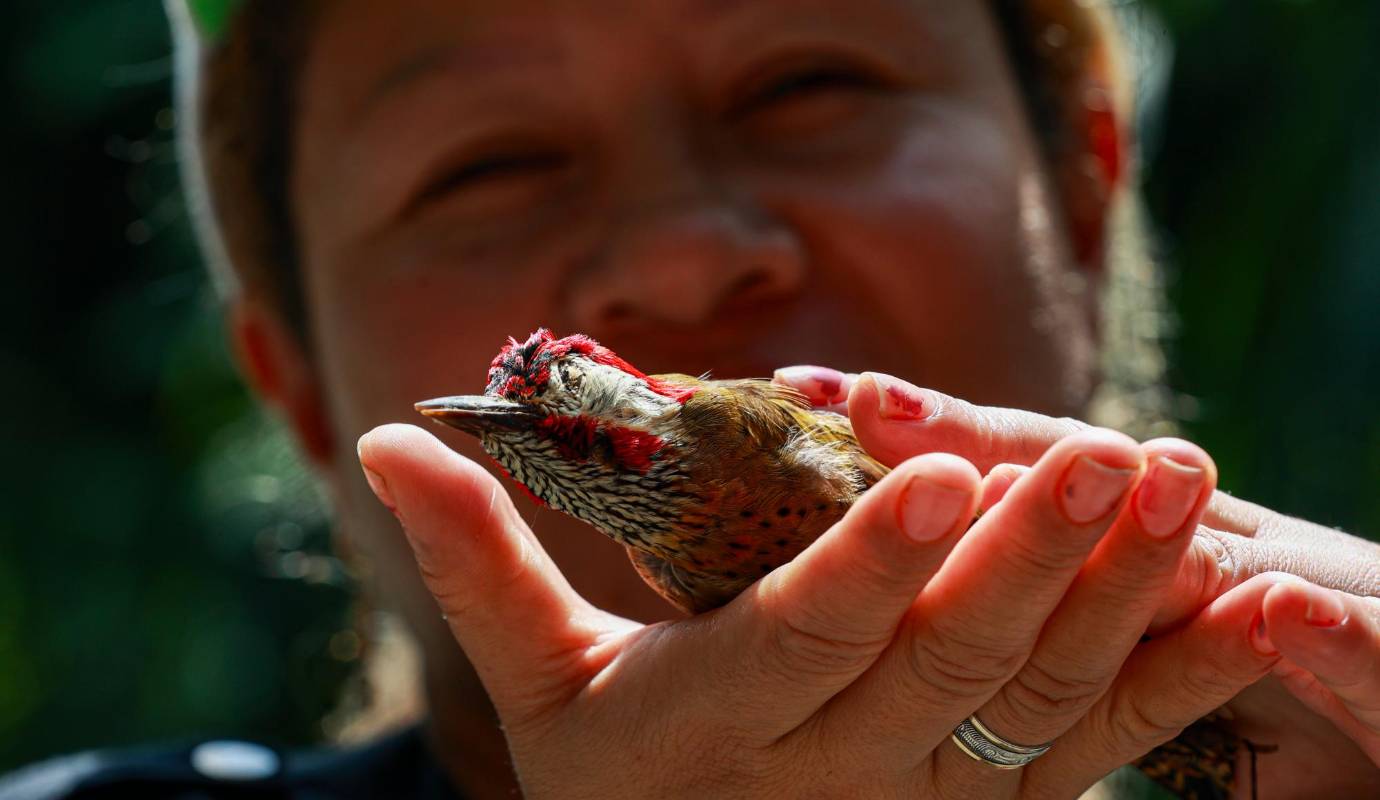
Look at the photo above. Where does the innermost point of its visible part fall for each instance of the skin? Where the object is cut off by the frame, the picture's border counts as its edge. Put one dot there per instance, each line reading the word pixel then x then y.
pixel 668 179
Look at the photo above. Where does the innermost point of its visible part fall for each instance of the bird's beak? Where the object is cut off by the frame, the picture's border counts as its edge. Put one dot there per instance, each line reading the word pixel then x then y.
pixel 479 414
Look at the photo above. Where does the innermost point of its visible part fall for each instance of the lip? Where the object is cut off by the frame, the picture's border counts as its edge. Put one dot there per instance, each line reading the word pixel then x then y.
pixel 478 414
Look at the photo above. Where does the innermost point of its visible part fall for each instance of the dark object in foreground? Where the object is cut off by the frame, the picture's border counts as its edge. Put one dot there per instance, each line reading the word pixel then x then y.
pixel 709 484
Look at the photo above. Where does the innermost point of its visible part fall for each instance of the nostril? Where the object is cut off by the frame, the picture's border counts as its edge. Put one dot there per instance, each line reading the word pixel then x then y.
pixel 750 290
pixel 749 284
pixel 618 313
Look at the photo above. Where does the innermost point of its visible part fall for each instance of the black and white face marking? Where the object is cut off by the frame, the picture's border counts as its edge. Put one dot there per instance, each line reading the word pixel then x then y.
pixel 630 508
pixel 580 387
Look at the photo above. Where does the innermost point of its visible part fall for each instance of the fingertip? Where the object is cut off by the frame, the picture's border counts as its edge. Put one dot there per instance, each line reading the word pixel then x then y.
pixel 1110 448
pixel 998 481
pixel 386 446
pixel 947 469
pixel 823 386
pixel 1303 607
pixel 1185 453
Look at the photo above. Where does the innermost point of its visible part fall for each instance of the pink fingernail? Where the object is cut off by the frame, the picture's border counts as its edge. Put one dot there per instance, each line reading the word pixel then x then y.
pixel 898 400
pixel 380 487
pixel 822 385
pixel 1091 489
pixel 929 510
pixel 1167 496
pixel 1325 609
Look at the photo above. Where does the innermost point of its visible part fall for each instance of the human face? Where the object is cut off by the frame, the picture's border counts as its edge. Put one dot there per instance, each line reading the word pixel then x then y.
pixel 701 185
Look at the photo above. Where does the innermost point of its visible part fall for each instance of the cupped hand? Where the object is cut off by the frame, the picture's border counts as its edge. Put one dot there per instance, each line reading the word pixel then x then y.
pixel 1333 673
pixel 843 672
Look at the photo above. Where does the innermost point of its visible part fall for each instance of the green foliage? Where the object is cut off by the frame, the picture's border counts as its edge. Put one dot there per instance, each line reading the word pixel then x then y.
pixel 163 567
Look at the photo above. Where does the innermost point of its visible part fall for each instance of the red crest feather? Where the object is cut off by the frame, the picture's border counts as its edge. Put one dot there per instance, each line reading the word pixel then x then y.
pixel 522 369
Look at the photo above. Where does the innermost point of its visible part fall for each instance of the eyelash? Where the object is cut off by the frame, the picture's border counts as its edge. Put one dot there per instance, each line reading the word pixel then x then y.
pixel 491 167
pixel 791 83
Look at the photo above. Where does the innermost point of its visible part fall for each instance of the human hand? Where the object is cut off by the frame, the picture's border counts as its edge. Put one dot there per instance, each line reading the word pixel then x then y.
pixel 1238 540
pixel 1330 643
pixel 844 671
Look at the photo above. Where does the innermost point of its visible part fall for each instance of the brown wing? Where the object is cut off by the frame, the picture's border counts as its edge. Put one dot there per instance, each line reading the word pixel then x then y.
pixel 785 407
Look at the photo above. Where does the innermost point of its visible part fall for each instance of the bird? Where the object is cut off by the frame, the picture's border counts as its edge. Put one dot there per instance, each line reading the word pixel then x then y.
pixel 709 484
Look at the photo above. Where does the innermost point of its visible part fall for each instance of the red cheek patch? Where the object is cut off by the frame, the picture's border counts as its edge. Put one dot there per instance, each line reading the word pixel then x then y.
pixel 633 449
pixel 573 436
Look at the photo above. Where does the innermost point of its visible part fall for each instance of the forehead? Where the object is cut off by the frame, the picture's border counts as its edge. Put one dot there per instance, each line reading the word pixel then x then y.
pixel 364 51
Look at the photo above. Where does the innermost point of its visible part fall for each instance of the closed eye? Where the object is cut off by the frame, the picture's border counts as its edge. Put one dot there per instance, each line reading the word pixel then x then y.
pixel 492 171
pixel 804 82
pixel 808 82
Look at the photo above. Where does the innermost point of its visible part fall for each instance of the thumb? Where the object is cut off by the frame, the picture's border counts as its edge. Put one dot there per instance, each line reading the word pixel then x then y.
pixel 506 602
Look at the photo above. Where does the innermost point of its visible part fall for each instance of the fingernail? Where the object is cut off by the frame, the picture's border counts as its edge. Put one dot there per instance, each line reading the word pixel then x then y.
pixel 998 483
pixel 822 385
pixel 380 487
pixel 1091 489
pixel 929 510
pixel 1167 496
pixel 1325 609
pixel 898 400
pixel 1260 637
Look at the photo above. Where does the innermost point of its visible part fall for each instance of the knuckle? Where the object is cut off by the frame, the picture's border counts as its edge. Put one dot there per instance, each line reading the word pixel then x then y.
pixel 1225 563
pixel 1135 725
pixel 1037 691
pixel 454 600
pixel 1042 555
pixel 808 643
pixel 879 570
pixel 959 663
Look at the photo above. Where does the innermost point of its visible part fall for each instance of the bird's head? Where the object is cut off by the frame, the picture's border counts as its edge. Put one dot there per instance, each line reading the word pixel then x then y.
pixel 568 400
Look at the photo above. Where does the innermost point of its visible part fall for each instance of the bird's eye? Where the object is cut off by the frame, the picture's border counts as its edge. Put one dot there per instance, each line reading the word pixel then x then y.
pixel 570 379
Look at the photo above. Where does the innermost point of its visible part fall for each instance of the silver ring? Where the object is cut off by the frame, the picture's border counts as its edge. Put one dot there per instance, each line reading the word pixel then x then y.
pixel 978 741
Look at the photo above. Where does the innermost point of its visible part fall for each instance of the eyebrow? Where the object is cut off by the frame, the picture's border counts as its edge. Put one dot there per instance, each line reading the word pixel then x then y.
pixel 457 58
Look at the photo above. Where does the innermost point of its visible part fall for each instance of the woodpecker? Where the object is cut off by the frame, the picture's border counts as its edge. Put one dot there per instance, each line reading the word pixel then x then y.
pixel 709 484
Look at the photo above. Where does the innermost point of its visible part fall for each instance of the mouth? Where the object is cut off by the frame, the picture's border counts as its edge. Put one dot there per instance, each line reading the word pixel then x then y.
pixel 478 414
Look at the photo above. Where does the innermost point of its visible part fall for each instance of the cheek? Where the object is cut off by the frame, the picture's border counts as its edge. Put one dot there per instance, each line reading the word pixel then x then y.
pixel 387 337
pixel 935 241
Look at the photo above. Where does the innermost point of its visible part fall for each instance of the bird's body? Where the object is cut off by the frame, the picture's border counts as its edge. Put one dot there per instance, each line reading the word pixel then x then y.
pixel 709 484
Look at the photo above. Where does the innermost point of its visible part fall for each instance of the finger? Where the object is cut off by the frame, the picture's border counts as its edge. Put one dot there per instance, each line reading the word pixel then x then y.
pixel 827 389
pixel 997 482
pixel 1255 541
pixel 1166 685
pixel 815 624
pixel 507 604
pixel 895 420
pixel 1104 613
pixel 1331 645
pixel 975 623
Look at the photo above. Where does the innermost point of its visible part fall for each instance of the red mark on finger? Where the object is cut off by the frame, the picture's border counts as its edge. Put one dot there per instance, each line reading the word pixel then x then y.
pixel 907 403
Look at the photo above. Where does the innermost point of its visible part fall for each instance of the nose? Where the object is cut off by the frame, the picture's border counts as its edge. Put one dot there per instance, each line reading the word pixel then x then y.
pixel 685 261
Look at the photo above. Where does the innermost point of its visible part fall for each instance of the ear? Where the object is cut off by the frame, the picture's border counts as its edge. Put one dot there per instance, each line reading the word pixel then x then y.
pixel 1092 169
pixel 275 363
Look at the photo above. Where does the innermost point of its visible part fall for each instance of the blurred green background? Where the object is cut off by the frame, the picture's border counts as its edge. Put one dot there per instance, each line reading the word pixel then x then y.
pixel 164 566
